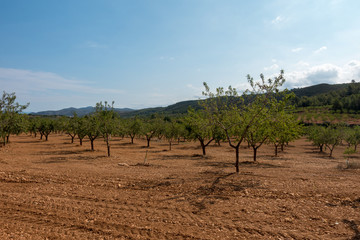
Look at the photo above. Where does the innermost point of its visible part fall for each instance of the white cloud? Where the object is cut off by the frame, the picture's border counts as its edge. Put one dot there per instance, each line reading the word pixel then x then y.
pixel 277 20
pixel 272 67
pixel 325 73
pixel 302 64
pixel 29 81
pixel 296 49
pixel 323 48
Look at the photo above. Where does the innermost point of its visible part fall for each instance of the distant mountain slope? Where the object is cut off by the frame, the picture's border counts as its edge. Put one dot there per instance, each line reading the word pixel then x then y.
pixel 318 89
pixel 182 107
pixel 174 109
pixel 79 111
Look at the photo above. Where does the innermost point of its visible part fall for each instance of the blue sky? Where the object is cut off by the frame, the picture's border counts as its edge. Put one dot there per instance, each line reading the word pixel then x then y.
pixel 74 53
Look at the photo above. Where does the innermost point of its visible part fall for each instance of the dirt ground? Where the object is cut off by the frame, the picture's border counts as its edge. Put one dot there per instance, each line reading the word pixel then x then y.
pixel 59 190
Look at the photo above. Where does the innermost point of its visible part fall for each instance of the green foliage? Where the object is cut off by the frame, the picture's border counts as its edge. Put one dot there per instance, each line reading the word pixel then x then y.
pixel 106 118
pixel 11 120
pixel 236 115
pixel 46 126
pixel 200 127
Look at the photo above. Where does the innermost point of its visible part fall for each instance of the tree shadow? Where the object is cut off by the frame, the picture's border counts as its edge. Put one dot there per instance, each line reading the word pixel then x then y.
pixel 217 164
pixel 352 224
pixel 221 188
pixel 53 160
pixel 61 152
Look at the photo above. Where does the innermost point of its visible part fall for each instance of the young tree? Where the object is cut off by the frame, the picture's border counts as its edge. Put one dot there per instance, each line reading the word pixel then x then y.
pixel 172 130
pixel 106 115
pixel 81 128
pixel 92 128
pixel 352 136
pixel 236 114
pixel 333 137
pixel 284 129
pixel 150 129
pixel 200 127
pixel 316 134
pixel 46 126
pixel 133 128
pixel 258 134
pixel 11 122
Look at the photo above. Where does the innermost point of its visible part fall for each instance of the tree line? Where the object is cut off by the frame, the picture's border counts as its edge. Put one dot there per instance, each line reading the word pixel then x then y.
pixel 342 100
pixel 261 115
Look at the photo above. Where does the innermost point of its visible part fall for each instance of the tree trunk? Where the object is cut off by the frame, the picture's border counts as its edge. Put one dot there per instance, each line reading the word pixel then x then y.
pixel 7 138
pixel 132 139
pixel 80 141
pixel 92 144
pixel 169 145
pixel 276 150
pixel 255 151
pixel 72 139
pixel 46 137
pixel 237 158
pixel 203 147
pixel 321 148
pixel 108 147
pixel 148 142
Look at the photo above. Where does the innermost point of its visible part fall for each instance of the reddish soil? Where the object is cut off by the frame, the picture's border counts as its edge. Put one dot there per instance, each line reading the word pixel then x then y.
pixel 58 190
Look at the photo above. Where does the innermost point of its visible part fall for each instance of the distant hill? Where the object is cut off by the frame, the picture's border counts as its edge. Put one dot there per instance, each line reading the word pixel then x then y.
pixel 174 109
pixel 318 89
pixel 182 107
pixel 79 111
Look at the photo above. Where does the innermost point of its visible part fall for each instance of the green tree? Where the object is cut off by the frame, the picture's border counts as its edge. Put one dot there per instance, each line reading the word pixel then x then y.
pixel 81 128
pixel 133 128
pixel 106 117
pixel 151 128
pixel 11 122
pixel 352 136
pixel 200 127
pixel 236 114
pixel 92 124
pixel 333 137
pixel 172 131
pixel 46 126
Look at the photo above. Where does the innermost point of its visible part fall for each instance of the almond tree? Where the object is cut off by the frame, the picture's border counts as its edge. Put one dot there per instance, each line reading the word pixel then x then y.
pixel 133 128
pixel 106 117
pixel 46 126
pixel 172 131
pixel 11 122
pixel 236 114
pixel 200 127
pixel 150 129
pixel 92 129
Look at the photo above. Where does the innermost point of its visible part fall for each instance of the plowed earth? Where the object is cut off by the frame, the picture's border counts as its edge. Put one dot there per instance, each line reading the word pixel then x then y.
pixel 59 190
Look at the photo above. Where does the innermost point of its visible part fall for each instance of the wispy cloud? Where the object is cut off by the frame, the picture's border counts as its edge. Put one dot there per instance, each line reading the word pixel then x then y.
pixel 164 58
pixel 272 67
pixel 277 20
pixel 296 49
pixel 323 48
pixel 28 81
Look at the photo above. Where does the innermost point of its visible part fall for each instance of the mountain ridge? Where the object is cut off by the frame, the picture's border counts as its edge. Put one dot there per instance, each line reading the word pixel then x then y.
pixel 182 106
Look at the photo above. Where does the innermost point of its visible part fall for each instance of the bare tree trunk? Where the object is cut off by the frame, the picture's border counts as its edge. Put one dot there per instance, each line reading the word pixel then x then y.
pixel 92 144
pixel 237 158
pixel 255 151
